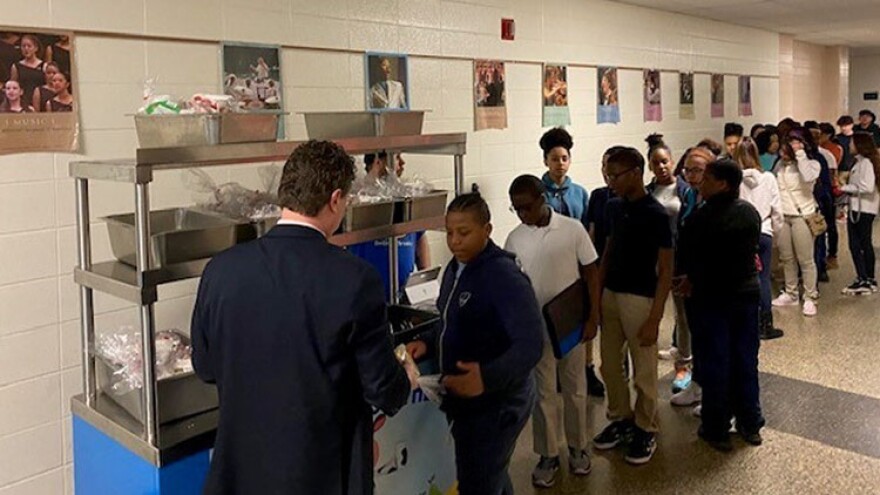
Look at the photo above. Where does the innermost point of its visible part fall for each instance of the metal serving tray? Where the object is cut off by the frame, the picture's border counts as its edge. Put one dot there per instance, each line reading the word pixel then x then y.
pixel 177 235
pixel 368 216
pixel 429 205
pixel 336 125
pixel 172 131
pixel 178 396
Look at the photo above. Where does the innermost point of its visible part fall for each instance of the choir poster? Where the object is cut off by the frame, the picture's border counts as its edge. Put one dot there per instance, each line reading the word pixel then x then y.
pixel 555 96
pixel 490 97
pixel 686 96
pixel 745 96
pixel 717 95
pixel 252 77
pixel 39 110
pixel 608 111
pixel 653 105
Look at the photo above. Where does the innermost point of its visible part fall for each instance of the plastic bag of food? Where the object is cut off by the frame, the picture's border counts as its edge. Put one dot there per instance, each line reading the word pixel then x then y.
pixel 157 104
pixel 234 200
pixel 121 350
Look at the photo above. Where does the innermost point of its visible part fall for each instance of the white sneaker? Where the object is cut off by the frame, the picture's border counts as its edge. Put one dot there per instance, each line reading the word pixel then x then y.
pixel 688 397
pixel 698 411
pixel 786 299
pixel 809 308
pixel 670 354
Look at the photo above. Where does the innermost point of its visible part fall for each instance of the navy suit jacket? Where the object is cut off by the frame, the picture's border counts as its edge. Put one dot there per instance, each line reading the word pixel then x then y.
pixel 294 333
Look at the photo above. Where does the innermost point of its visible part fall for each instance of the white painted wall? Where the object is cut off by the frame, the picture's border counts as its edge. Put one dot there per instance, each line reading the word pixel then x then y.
pixel 39 342
pixel 864 78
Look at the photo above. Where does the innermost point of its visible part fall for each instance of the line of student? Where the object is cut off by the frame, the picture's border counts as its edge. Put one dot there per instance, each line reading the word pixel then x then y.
pixel 295 405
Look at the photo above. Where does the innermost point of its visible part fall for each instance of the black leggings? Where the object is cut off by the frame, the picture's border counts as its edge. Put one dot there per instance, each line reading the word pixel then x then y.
pixel 860 243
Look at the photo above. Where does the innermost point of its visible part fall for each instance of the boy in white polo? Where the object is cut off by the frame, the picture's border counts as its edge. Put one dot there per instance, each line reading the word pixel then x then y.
pixel 555 251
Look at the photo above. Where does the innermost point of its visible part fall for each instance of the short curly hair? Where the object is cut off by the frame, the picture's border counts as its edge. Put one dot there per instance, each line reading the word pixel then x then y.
pixel 555 138
pixel 312 172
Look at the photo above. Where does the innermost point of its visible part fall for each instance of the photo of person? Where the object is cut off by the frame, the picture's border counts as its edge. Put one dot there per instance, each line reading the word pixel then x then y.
pixel 489 83
pixel 555 86
pixel 490 97
pixel 607 86
pixel 554 91
pixel 609 107
pixel 387 81
pixel 717 95
pixel 27 58
pixel 686 88
pixel 252 75
pixel 652 97
pixel 686 96
pixel 745 96
pixel 35 78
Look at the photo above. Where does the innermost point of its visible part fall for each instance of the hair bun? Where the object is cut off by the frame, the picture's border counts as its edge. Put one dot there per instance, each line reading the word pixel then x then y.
pixel 655 140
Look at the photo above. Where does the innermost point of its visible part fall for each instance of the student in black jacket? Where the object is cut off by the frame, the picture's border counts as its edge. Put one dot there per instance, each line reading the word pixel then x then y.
pixel 488 345
pixel 719 247
pixel 293 331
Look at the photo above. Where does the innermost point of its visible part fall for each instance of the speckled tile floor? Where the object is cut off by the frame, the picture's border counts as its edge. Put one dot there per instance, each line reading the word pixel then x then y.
pixel 821 395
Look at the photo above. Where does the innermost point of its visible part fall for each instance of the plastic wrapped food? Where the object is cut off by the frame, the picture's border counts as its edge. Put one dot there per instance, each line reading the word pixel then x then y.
pixel 122 351
pixel 234 200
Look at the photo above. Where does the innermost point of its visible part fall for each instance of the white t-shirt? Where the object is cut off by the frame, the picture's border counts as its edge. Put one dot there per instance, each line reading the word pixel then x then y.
pixel 667 196
pixel 552 256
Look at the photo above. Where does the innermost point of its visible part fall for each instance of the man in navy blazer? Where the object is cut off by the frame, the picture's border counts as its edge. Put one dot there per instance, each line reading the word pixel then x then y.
pixel 294 332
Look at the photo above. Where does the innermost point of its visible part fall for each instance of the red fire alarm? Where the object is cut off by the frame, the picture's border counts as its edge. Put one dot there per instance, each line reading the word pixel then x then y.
pixel 508 29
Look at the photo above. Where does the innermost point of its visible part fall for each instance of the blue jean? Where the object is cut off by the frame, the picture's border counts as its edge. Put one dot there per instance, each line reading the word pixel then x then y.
pixel 765 252
pixel 484 443
pixel 861 245
pixel 726 344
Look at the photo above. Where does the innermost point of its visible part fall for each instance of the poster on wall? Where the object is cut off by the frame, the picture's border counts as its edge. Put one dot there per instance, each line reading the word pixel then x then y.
pixel 387 81
pixel 555 93
pixel 652 96
pixel 686 96
pixel 413 451
pixel 608 111
pixel 745 96
pixel 717 95
pixel 38 107
pixel 490 105
pixel 252 77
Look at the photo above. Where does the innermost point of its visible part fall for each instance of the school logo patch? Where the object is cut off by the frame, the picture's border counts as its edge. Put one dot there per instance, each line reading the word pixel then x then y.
pixel 463 298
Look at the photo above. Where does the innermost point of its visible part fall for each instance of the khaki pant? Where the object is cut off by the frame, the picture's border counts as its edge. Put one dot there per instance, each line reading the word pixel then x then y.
pixel 574 399
pixel 796 245
pixel 682 333
pixel 588 355
pixel 622 316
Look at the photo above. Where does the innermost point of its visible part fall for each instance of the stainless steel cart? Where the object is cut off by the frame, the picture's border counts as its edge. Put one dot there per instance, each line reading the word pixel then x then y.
pixel 162 443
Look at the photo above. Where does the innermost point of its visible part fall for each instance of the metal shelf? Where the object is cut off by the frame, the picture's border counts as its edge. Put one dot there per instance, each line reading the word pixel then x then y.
pixel 140 170
pixel 121 280
pixel 176 440
pixel 395 230
pixel 162 443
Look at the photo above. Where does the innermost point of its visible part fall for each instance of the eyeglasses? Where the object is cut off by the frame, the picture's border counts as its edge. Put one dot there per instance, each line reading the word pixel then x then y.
pixel 613 177
pixel 694 170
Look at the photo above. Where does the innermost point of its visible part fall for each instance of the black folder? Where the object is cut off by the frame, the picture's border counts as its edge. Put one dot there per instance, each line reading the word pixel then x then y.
pixel 565 316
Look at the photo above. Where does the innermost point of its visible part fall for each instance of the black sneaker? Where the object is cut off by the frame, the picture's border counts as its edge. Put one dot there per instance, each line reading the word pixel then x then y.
pixel 823 277
pixel 720 443
pixel 751 438
pixel 770 333
pixel 857 288
pixel 613 435
pixel 544 475
pixel 642 447
pixel 872 284
pixel 595 388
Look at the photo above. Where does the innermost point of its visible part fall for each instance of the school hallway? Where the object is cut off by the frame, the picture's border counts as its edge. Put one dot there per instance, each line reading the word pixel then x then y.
pixel 820 392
